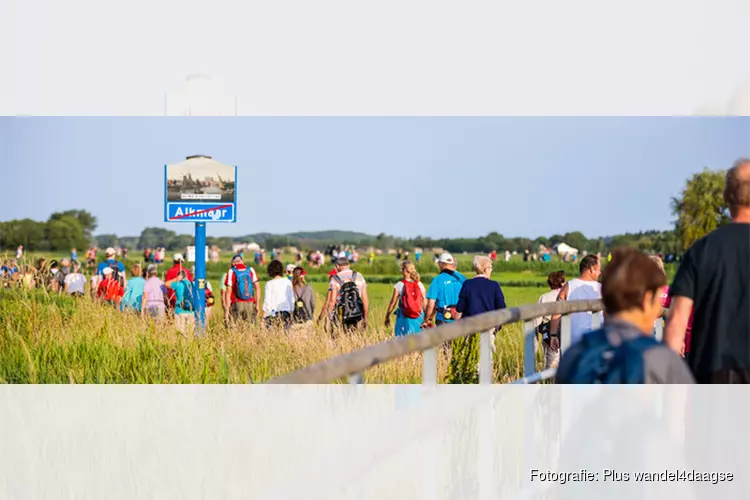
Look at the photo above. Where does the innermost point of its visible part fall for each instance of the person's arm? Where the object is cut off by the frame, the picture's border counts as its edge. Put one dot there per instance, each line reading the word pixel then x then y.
pixel 311 294
pixel 682 298
pixel 144 302
pixel 461 306
pixel 391 306
pixel 326 304
pixel 290 296
pixel 429 312
pixel 679 315
pixel 256 291
pixel 554 326
pixel 365 306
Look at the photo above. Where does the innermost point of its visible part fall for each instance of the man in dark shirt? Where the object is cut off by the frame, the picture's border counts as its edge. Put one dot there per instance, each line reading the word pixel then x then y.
pixel 714 278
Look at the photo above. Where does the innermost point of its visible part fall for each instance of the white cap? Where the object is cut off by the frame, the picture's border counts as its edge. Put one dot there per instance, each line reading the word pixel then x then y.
pixel 290 268
pixel 178 256
pixel 110 251
pixel 446 258
pixel 106 271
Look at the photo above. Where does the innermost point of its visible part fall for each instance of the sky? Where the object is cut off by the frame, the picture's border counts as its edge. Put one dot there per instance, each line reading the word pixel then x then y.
pixel 436 177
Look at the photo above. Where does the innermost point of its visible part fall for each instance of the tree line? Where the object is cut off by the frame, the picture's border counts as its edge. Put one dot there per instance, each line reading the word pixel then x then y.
pixel 699 209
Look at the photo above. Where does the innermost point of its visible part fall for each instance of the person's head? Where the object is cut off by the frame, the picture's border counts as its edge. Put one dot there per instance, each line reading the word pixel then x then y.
pixel 298 277
pixel 660 263
pixel 631 286
pixel 65 262
pixel 76 266
pixel 107 272
pixel 110 253
pixel 136 270
pixel 236 260
pixel 151 271
pixel 556 280
pixel 342 263
pixel 737 188
pixel 41 264
pixel 590 267
pixel 275 269
pixel 290 269
pixel 446 262
pixel 409 270
pixel 178 259
pixel 482 265
pixel 182 275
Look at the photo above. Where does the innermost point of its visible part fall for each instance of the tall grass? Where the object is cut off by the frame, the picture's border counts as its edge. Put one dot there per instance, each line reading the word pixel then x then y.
pixel 49 338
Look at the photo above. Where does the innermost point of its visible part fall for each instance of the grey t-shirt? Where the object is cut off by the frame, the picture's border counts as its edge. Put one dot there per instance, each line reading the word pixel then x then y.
pixel 662 365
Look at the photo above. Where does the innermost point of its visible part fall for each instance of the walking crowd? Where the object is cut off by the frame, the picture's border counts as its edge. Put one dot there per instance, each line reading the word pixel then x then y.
pixel 707 307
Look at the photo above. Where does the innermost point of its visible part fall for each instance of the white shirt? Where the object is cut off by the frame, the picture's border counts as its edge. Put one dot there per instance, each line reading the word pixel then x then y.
pixel 279 296
pixel 580 323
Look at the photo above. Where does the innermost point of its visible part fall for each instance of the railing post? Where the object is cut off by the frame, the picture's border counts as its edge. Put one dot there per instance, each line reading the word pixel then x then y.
pixel 564 333
pixel 529 356
pixel 485 358
pixel 357 378
pixel 659 329
pixel 429 367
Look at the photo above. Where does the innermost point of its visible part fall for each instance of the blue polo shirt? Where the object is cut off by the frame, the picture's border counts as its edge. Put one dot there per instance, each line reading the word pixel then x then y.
pixel 444 290
pixel 480 295
pixel 108 263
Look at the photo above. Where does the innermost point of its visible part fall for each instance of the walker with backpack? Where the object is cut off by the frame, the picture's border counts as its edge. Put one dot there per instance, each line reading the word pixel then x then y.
pixel 350 308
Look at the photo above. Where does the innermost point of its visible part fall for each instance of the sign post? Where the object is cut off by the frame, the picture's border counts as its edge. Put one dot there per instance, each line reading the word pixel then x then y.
pixel 200 190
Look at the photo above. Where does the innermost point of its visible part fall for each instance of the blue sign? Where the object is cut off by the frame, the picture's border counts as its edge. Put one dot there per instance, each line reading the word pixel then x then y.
pixel 200 212
pixel 200 189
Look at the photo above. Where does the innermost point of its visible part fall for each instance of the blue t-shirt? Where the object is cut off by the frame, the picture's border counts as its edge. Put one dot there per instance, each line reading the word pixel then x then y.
pixel 478 296
pixel 444 290
pixel 180 289
pixel 133 298
pixel 108 263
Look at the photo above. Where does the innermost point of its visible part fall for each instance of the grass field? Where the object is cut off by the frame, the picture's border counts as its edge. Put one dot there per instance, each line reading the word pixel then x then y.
pixel 47 338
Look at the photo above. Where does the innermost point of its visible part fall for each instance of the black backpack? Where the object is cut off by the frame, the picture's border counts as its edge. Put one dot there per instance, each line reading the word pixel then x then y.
pixel 117 274
pixel 300 313
pixel 350 309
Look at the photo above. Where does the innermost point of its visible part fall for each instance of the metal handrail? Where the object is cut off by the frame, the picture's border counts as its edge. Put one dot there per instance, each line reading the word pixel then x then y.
pixel 355 363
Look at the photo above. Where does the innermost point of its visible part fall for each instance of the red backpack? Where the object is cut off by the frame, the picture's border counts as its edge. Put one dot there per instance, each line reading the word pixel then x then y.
pixel 411 300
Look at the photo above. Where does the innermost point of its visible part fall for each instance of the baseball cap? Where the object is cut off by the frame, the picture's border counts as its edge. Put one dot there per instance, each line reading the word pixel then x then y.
pixel 178 256
pixel 342 261
pixel 107 270
pixel 290 268
pixel 446 258
pixel 110 251
pixel 235 257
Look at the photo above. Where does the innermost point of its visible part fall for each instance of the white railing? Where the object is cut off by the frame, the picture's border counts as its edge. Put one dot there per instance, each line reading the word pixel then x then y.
pixel 354 364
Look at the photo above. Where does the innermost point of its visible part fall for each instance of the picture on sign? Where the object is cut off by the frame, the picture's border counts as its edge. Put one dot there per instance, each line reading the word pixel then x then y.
pixel 202 182
pixel 200 189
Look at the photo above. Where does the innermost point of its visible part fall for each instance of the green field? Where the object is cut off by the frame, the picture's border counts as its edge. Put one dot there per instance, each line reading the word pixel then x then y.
pixel 46 338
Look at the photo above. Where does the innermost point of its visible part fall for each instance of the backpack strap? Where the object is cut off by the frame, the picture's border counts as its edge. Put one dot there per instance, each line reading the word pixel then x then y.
pixel 338 280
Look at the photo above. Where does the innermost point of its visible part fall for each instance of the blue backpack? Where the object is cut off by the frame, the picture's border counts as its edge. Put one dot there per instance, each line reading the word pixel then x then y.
pixel 600 362
pixel 244 280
